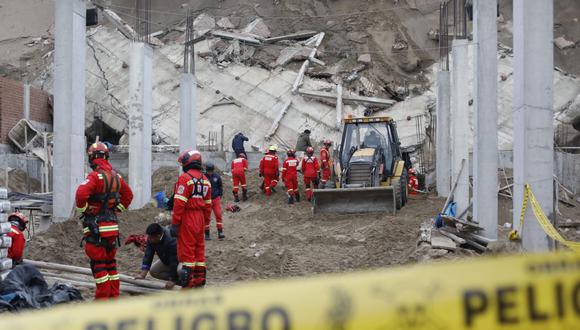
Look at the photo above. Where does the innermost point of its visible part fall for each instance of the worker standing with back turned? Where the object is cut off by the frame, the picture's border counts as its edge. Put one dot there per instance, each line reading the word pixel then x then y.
pixel 191 210
pixel 310 167
pixel 239 168
pixel 103 194
pixel 269 170
pixel 290 176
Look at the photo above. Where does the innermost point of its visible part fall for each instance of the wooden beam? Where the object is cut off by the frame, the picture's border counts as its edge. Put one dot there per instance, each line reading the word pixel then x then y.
pixel 452 236
pixel 348 98
pixel 86 271
pixel 83 284
pixel 236 36
pixel 293 36
pixel 277 121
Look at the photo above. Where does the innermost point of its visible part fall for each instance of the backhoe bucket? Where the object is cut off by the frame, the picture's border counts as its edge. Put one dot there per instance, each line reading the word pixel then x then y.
pixel 355 200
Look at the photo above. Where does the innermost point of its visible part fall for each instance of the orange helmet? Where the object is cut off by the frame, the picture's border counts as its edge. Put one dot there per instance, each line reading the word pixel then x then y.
pixel 190 158
pixel 327 142
pixel 98 150
pixel 20 218
pixel 310 151
pixel 291 153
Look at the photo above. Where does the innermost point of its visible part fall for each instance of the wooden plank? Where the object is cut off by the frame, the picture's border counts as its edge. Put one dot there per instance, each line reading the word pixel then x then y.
pixel 293 36
pixel 454 221
pixel 569 224
pixel 238 36
pixel 478 247
pixel 452 236
pixel 450 197
pixel 348 98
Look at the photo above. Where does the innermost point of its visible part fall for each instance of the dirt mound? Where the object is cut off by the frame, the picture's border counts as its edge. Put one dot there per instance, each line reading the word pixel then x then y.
pixel 267 239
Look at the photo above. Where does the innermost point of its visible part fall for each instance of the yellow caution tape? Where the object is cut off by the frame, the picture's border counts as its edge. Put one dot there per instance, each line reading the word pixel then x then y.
pixel 542 219
pixel 524 292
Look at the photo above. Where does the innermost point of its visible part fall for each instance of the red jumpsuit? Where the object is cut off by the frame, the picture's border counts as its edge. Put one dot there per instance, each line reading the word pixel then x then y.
pixel 100 224
pixel 16 251
pixel 191 209
pixel 413 184
pixel 310 167
pixel 325 164
pixel 290 175
pixel 269 169
pixel 239 168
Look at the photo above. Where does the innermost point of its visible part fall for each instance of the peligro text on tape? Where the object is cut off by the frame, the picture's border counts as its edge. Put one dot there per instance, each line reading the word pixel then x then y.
pixel 515 293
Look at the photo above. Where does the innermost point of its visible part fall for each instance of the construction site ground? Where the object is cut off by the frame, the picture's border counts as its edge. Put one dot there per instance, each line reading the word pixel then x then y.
pixel 269 239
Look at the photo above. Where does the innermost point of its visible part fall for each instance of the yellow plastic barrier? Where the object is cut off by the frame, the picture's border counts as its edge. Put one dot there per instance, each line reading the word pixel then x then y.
pixel 542 219
pixel 513 293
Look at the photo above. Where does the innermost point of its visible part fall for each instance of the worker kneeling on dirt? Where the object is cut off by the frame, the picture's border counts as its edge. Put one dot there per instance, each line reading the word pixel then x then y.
pixel 239 168
pixel 103 194
pixel 290 176
pixel 191 210
pixel 18 223
pixel 269 170
pixel 325 163
pixel 310 167
pixel 160 242
pixel 216 202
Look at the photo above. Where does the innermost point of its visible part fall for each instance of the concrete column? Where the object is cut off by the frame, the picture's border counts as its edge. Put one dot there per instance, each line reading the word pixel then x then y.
pixel 460 123
pixel 26 102
pixel 533 114
pixel 140 90
pixel 69 105
pixel 338 106
pixel 443 143
pixel 485 154
pixel 188 115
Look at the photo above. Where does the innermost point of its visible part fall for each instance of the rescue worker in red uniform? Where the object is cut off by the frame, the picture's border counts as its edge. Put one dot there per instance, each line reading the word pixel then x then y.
pixel 192 207
pixel 18 223
pixel 239 168
pixel 290 176
pixel 310 167
pixel 103 194
pixel 270 170
pixel 325 163
pixel 413 184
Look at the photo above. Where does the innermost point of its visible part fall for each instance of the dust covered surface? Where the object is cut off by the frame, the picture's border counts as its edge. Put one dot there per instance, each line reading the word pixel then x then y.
pixel 267 239
pixel 19 181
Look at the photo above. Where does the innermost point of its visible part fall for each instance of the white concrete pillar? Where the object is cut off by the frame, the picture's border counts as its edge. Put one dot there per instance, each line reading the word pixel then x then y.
pixel 140 90
pixel 533 114
pixel 69 105
pixel 188 115
pixel 460 123
pixel 339 106
pixel 443 143
pixel 485 154
pixel 26 102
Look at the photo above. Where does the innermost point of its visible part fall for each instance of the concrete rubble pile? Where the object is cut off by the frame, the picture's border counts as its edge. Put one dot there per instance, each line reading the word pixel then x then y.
pixel 5 241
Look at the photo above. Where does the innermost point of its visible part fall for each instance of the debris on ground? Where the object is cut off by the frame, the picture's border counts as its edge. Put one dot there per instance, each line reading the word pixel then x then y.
pixel 562 43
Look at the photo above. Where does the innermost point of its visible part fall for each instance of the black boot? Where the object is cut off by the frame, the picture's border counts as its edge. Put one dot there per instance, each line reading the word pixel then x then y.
pixel 236 198
pixel 207 235
pixel 273 190
pixel 290 200
pixel 297 198
pixel 221 235
pixel 244 195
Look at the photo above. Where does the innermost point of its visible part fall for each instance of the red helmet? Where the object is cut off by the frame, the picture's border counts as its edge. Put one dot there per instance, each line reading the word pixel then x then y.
pixel 98 150
pixel 327 142
pixel 310 151
pixel 411 171
pixel 190 157
pixel 21 218
pixel 291 153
